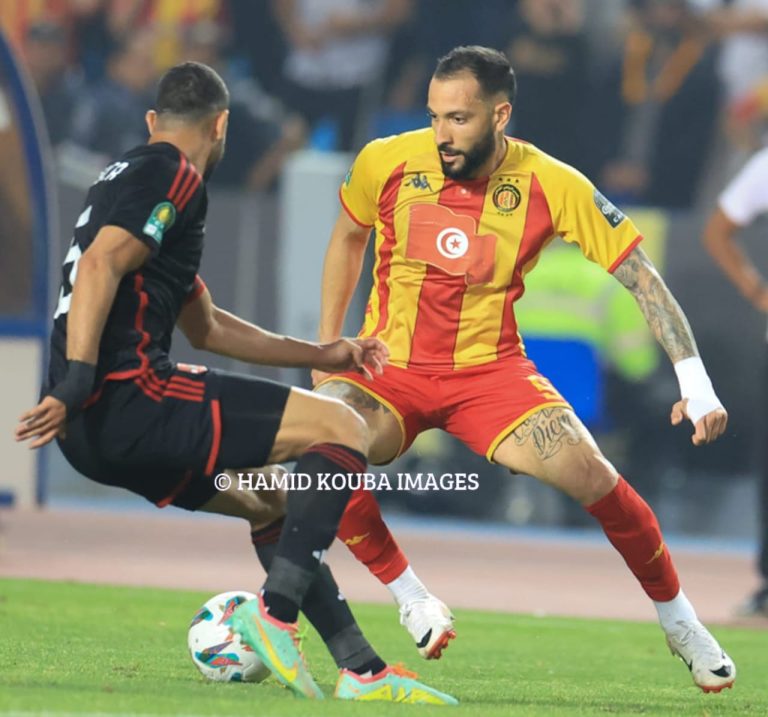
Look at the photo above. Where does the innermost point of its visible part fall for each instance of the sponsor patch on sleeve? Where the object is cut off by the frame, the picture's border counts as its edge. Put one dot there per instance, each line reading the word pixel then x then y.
pixel 610 212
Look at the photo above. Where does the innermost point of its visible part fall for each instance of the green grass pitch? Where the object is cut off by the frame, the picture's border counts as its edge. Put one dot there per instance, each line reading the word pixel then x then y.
pixel 70 648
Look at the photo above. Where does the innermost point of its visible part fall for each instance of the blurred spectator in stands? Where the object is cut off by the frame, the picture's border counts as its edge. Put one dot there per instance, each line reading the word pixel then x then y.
pixel 97 28
pixel 260 132
pixel 59 86
pixel 435 27
pixel 170 18
pixel 549 53
pixel 743 24
pixel 254 18
pixel 101 24
pixel 336 59
pixel 746 120
pixel 110 117
pixel 743 27
pixel 17 16
pixel 654 126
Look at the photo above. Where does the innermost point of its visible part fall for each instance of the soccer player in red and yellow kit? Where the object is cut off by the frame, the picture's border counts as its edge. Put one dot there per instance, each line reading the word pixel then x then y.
pixel 460 213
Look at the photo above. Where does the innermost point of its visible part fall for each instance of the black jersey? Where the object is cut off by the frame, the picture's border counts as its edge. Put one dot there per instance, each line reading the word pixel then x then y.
pixel 156 194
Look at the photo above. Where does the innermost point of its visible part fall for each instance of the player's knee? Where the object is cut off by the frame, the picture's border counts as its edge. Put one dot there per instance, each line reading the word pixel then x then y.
pixel 258 507
pixel 596 477
pixel 264 512
pixel 272 500
pixel 345 426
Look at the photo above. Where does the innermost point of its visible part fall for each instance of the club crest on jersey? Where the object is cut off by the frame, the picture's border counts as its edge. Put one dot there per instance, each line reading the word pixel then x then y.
pixel 162 218
pixel 610 212
pixel 506 198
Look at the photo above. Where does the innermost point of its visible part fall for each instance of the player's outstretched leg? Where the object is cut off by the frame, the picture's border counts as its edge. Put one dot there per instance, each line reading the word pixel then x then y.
pixel 393 684
pixel 554 446
pixel 632 527
pixel 427 619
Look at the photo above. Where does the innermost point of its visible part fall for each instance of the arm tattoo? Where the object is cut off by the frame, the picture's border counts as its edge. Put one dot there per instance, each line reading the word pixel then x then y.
pixel 352 396
pixel 662 312
pixel 549 430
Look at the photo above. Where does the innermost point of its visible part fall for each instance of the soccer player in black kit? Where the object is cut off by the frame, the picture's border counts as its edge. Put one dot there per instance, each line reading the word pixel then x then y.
pixel 124 414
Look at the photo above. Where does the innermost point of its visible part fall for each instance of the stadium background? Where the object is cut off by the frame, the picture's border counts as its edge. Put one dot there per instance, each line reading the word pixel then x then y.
pixel 90 66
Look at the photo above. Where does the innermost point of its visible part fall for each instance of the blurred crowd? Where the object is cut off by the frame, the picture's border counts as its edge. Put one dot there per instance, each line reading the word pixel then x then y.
pixel 632 92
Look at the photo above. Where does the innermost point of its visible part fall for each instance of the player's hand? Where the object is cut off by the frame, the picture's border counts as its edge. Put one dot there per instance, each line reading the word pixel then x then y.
pixel 361 355
pixel 44 422
pixel 707 428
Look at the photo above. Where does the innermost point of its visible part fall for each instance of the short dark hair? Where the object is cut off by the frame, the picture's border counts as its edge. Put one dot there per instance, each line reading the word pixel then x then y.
pixel 191 91
pixel 489 67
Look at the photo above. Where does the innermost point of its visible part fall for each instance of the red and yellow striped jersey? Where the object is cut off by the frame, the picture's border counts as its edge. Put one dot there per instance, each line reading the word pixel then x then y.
pixel 451 255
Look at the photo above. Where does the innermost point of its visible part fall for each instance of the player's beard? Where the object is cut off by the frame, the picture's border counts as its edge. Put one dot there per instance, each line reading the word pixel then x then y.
pixel 474 158
pixel 213 159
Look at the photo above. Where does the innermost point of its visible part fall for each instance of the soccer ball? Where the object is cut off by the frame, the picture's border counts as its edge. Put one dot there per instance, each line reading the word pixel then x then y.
pixel 215 649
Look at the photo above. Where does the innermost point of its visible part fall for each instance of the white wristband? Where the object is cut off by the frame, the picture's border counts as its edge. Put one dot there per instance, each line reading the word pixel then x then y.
pixel 696 386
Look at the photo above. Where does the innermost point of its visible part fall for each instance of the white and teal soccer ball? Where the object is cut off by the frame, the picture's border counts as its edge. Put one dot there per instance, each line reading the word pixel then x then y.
pixel 215 649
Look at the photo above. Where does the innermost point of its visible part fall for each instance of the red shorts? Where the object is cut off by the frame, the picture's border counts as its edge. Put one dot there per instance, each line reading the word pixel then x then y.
pixel 480 405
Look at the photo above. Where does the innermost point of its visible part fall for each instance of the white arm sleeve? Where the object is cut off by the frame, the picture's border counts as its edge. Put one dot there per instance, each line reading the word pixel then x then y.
pixel 746 196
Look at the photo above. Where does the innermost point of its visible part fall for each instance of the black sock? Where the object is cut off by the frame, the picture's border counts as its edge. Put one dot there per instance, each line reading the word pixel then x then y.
pixel 325 608
pixel 264 541
pixel 311 523
pixel 373 666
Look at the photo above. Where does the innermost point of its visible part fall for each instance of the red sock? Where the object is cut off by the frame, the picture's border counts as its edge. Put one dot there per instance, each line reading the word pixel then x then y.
pixel 633 530
pixel 363 531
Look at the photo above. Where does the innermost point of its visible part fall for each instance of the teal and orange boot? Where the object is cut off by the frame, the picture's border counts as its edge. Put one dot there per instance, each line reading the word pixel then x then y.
pixel 277 645
pixel 392 684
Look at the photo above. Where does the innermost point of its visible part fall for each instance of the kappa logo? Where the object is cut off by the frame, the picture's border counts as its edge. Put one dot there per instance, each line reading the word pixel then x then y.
pixel 418 181
pixel 659 552
pixel 356 539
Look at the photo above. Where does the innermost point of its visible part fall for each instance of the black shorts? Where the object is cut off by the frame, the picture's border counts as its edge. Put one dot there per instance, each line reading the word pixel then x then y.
pixel 166 434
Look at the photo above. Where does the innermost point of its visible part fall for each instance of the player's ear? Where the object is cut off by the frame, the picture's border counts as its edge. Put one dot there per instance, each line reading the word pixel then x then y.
pixel 502 115
pixel 151 119
pixel 220 125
